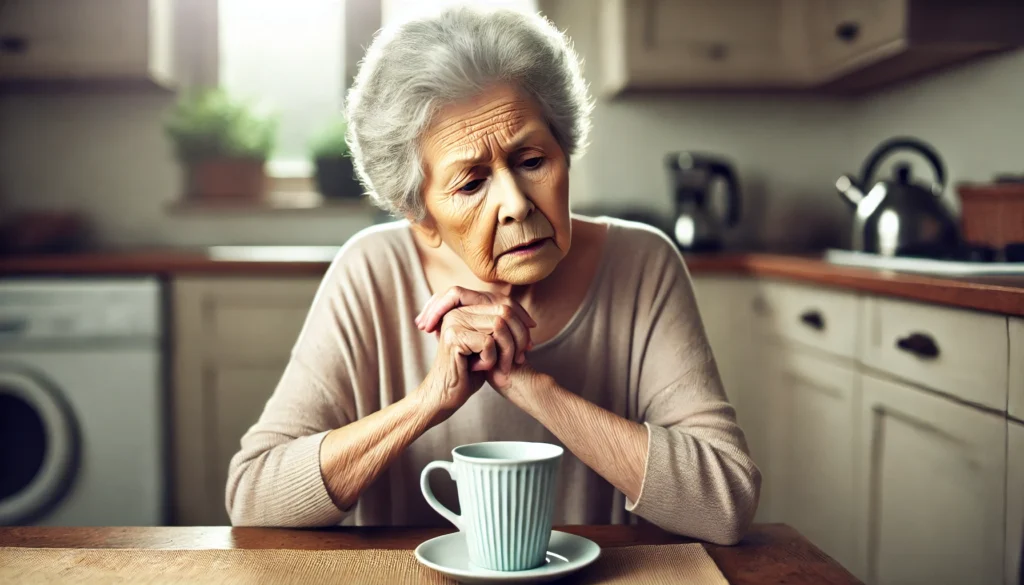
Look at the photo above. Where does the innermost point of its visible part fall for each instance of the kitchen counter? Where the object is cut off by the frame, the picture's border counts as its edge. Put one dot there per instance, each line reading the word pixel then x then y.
pixel 770 553
pixel 1003 295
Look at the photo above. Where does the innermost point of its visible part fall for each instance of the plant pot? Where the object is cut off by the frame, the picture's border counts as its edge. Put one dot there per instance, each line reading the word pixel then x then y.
pixel 335 178
pixel 228 179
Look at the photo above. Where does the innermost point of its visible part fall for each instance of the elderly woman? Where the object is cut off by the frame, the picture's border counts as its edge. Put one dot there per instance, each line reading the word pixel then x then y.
pixel 492 313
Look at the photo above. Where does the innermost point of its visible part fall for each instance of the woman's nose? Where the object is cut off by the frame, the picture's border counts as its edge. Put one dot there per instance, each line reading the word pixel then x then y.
pixel 513 205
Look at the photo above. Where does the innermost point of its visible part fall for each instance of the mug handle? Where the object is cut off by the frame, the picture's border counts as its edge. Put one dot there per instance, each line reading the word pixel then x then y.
pixel 429 495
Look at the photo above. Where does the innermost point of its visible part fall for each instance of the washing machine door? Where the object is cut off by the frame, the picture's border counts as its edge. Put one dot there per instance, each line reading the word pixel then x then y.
pixel 38 446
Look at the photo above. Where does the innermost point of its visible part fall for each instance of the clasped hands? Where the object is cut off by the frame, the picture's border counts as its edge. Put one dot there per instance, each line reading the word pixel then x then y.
pixel 481 336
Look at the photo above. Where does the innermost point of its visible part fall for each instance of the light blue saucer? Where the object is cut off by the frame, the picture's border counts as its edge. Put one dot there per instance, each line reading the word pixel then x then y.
pixel 567 553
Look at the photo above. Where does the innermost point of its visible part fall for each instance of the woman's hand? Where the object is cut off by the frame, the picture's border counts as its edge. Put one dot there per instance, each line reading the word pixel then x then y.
pixel 478 332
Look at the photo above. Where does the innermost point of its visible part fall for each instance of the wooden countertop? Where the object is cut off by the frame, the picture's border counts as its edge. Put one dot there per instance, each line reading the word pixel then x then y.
pixel 998 295
pixel 770 553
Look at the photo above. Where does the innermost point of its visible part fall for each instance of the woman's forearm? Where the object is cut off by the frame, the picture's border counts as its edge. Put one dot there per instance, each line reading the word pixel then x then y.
pixel 612 446
pixel 353 456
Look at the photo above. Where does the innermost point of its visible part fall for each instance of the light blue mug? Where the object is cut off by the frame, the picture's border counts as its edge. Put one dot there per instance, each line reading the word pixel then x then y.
pixel 507 496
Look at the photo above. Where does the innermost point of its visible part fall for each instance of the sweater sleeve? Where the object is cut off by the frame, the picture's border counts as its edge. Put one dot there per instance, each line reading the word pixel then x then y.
pixel 275 478
pixel 699 479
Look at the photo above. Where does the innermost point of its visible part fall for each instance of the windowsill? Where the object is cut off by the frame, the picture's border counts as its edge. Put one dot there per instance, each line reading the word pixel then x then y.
pixel 276 203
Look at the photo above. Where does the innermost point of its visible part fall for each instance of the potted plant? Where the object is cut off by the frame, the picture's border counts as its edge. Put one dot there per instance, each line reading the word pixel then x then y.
pixel 335 174
pixel 223 144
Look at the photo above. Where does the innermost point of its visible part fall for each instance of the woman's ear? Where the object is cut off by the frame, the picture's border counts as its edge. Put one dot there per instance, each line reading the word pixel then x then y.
pixel 427 230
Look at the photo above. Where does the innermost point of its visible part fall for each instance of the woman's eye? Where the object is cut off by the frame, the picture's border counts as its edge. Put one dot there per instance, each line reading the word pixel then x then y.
pixel 472 186
pixel 533 163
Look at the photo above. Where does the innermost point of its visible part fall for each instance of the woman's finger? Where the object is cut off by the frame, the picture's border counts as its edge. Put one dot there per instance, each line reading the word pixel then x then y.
pixel 469 342
pixel 439 305
pixel 520 332
pixel 507 350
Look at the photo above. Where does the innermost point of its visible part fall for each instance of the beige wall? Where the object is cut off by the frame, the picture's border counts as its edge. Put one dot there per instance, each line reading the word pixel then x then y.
pixel 973 115
pixel 105 154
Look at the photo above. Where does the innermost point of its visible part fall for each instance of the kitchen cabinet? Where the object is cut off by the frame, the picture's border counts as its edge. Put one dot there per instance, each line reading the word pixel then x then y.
pixel 87 40
pixel 728 306
pixel 666 44
pixel 1015 504
pixel 959 352
pixel 845 34
pixel 1015 401
pixel 847 46
pixel 813 424
pixel 931 488
pixel 232 340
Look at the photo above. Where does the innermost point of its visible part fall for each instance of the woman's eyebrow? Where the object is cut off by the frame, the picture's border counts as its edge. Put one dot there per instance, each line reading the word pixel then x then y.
pixel 469 158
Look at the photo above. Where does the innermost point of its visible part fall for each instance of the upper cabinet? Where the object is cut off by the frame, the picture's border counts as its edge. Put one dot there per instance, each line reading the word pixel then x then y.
pixel 666 44
pixel 838 45
pixel 90 40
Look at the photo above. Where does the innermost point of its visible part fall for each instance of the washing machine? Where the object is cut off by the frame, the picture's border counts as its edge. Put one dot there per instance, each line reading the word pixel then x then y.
pixel 82 409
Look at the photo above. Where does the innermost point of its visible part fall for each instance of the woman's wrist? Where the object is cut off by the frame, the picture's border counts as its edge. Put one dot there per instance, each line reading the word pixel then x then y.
pixel 429 402
pixel 529 389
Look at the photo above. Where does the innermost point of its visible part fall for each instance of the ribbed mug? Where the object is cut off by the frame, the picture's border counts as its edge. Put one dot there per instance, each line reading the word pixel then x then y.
pixel 507 495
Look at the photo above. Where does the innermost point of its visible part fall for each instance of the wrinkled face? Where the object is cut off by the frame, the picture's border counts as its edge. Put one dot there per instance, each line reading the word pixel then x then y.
pixel 496 187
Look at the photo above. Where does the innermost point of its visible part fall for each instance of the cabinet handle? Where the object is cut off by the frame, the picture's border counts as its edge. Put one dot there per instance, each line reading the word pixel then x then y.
pixel 718 52
pixel 13 326
pixel 813 319
pixel 920 344
pixel 13 45
pixel 848 31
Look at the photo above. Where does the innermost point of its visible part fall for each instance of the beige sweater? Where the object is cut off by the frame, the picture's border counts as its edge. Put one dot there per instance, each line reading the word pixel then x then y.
pixel 636 347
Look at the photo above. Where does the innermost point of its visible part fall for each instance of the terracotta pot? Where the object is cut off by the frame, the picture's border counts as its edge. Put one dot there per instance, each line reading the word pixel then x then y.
pixel 229 179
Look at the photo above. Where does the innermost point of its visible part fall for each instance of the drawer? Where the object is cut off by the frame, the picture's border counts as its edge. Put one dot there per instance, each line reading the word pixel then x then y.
pixel 818 317
pixel 962 353
pixel 1015 403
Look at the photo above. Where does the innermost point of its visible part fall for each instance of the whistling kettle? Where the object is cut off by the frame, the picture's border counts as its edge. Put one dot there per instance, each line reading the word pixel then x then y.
pixel 900 216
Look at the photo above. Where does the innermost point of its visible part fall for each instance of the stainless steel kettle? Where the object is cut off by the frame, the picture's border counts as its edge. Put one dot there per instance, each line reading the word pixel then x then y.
pixel 900 216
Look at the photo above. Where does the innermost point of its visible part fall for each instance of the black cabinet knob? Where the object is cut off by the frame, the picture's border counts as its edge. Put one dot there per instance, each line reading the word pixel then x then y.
pixel 848 31
pixel 813 319
pixel 13 45
pixel 920 344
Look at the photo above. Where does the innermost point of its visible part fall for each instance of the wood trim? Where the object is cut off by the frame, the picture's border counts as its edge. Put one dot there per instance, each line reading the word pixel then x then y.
pixel 1004 295
pixel 769 553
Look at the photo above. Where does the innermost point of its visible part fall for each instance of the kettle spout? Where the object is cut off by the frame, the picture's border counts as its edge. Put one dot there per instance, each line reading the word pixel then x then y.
pixel 849 190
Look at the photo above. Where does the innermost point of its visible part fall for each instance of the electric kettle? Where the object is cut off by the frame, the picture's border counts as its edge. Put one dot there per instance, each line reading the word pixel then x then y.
pixel 695 179
pixel 900 216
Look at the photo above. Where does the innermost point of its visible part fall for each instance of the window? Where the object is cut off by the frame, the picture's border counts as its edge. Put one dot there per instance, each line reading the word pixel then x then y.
pixel 399 10
pixel 289 56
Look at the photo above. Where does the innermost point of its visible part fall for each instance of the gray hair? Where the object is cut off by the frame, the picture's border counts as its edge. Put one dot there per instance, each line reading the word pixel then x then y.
pixel 411 70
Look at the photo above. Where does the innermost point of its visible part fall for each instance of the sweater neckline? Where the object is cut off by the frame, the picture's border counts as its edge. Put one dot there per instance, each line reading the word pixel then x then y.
pixel 582 311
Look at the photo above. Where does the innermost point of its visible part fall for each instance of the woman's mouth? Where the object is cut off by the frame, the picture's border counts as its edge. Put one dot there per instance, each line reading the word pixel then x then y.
pixel 528 248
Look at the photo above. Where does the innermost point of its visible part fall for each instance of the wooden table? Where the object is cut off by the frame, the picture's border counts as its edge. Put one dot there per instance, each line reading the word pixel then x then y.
pixel 771 553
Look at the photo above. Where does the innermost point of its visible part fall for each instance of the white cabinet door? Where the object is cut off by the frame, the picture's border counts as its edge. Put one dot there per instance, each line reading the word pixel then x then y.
pixel 1015 405
pixel 813 414
pixel 847 34
pixel 726 306
pixel 232 341
pixel 1015 505
pixel 86 39
pixel 932 483
pixel 676 44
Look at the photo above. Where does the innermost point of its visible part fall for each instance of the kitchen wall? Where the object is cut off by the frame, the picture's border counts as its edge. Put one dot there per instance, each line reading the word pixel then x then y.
pixel 973 115
pixel 105 154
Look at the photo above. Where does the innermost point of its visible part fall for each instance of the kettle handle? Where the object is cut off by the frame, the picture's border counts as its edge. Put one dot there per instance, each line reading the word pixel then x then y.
pixel 898 143
pixel 732 214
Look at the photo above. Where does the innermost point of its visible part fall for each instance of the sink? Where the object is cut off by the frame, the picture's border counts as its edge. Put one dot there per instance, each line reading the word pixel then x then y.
pixel 273 253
